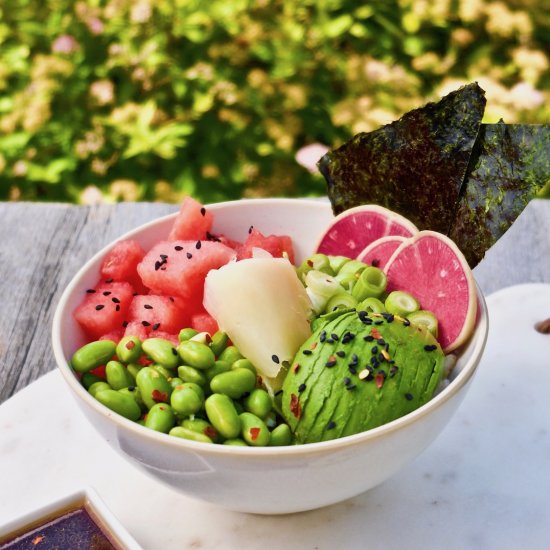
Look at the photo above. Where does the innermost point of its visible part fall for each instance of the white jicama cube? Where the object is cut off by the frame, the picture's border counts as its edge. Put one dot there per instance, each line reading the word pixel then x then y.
pixel 263 307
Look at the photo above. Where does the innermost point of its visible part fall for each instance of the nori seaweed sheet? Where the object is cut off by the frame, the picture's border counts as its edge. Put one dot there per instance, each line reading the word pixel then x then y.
pixel 509 167
pixel 415 165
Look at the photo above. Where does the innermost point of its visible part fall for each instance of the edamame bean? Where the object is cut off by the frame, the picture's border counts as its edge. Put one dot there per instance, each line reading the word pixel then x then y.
pixel 201 426
pixel 121 403
pixel 280 435
pixel 133 369
pixel 230 354
pixel 219 342
pixel 161 351
pixel 128 349
pixel 244 364
pixel 258 402
pixel 253 430
pixel 234 383
pixel 88 379
pixel 167 373
pixel 93 355
pixel 191 374
pixel 175 381
pixel 154 387
pixel 235 442
pixel 219 367
pixel 160 418
pixel 222 414
pixel 184 433
pixel 117 375
pixel 97 387
pixel 196 354
pixel 134 392
pixel 185 400
pixel 202 337
pixel 186 334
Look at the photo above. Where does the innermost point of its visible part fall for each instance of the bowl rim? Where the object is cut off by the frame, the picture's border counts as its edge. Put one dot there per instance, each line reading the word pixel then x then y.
pixel 480 334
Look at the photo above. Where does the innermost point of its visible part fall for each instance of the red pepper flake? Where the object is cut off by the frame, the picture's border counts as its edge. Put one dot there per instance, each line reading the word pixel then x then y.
pixel 159 396
pixel 37 540
pixel 295 407
pixel 379 380
pixel 376 333
pixel 130 344
pixel 254 433
pixel 210 431
pixel 313 346
pixel 296 368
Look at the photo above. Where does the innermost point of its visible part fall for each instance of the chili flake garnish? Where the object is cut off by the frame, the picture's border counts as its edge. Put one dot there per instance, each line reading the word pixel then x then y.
pixel 313 346
pixel 331 361
pixel 130 344
pixel 296 368
pixel 295 407
pixel 254 433
pixel 210 431
pixel 379 379
pixel 376 333
pixel 159 396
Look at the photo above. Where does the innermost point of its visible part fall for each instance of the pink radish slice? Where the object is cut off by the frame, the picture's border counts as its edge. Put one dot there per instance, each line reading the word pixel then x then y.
pixel 352 230
pixel 380 251
pixel 431 267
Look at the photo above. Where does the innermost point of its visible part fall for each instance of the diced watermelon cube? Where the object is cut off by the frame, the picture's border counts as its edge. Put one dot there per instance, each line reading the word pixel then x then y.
pixel 120 263
pixel 193 222
pixel 136 328
pixel 204 322
pixel 104 308
pixel 278 246
pixel 178 268
pixel 115 335
pixel 157 313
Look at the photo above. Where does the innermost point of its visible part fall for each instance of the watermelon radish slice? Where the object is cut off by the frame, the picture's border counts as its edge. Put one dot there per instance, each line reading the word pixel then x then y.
pixel 431 267
pixel 352 230
pixel 380 251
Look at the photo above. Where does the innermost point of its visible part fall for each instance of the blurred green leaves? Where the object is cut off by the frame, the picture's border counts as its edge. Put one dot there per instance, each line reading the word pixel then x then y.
pixel 150 100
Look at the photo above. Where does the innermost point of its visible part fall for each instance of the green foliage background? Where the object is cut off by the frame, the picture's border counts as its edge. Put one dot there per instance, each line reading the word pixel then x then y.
pixel 153 99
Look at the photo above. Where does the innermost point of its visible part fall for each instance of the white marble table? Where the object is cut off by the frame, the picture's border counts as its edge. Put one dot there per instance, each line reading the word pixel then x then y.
pixel 482 484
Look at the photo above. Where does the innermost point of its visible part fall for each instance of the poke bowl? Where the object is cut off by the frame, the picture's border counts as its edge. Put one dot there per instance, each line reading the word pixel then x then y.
pixel 268 479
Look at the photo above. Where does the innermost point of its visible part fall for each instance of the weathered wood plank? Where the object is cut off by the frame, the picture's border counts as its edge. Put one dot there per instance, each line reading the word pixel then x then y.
pixel 42 246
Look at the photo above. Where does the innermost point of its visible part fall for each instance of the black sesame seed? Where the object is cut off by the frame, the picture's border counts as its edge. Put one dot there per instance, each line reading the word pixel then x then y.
pixel 145 323
pixel 331 425
pixel 430 347
pixel 379 322
pixel 178 247
pixel 307 352
pixel 99 307
pixel 406 322
pixel 381 357
pixel 374 361
pixel 354 360
pixel 90 291
pixel 189 255
pixel 341 353
pixel 347 381
pixel 198 244
pixel 329 341
pixel 352 369
pixel 322 336
pixel 381 341
pixel 301 388
pixel 131 388
pixel 393 370
pixel 174 350
pixel 388 316
pixel 348 337
pixel 374 350
pixel 335 336
pixel 275 359
pixel 330 363
pixel 409 396
pixel 350 387
pixel 368 338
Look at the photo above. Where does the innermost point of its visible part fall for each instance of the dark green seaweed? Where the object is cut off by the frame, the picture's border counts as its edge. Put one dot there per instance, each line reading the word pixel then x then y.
pixel 414 166
pixel 510 166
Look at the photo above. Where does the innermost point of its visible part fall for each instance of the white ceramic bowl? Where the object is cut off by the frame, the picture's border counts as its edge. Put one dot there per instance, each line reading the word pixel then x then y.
pixel 271 480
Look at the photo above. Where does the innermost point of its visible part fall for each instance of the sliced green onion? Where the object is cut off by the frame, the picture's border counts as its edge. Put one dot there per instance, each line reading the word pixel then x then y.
pixel 371 304
pixel 401 303
pixel 340 300
pixel 426 318
pixel 371 283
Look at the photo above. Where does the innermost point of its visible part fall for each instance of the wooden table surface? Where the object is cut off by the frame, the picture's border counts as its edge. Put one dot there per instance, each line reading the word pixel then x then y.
pixel 42 246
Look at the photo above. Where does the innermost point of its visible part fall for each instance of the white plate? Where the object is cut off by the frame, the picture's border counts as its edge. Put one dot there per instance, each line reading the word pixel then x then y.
pixel 482 484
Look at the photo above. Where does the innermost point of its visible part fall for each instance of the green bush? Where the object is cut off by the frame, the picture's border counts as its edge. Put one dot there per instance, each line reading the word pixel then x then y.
pixel 151 100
